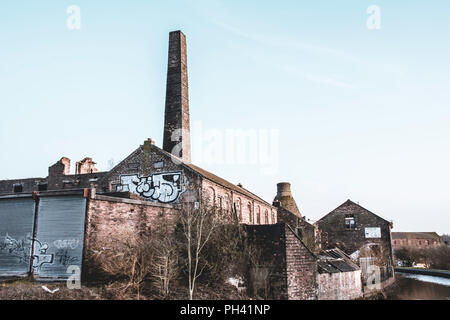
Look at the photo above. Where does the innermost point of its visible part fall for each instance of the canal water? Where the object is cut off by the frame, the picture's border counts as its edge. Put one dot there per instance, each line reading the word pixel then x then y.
pixel 418 287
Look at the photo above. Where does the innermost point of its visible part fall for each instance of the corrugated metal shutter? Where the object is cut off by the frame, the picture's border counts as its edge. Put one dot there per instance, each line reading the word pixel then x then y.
pixel 59 236
pixel 16 230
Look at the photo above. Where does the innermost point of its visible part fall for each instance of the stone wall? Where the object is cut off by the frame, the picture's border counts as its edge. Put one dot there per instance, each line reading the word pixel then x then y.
pixel 290 267
pixel 306 231
pixel 301 265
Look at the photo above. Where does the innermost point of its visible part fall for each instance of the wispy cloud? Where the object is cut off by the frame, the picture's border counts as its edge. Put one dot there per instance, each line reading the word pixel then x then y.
pixel 289 43
pixel 286 42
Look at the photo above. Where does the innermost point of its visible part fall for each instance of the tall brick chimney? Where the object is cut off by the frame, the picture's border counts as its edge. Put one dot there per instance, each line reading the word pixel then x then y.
pixel 177 139
pixel 285 199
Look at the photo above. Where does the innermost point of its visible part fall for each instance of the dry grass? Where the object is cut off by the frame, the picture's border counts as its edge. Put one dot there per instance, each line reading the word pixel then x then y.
pixel 27 290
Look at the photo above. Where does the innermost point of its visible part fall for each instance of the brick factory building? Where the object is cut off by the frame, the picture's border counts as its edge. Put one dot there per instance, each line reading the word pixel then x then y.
pixel 361 234
pixel 50 222
pixel 418 240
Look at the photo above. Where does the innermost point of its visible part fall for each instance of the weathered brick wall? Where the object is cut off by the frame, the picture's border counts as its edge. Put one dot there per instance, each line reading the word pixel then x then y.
pixel 305 230
pixel 301 266
pixel 340 285
pixel 270 244
pixel 110 220
pixel 334 234
pixel 149 160
pixel 291 265
pixel 245 206
pixel 29 185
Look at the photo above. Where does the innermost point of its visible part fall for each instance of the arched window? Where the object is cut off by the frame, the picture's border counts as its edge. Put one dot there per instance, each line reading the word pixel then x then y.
pixel 258 215
pixel 220 202
pixel 227 202
pixel 211 196
pixel 238 208
pixel 266 216
pixel 272 216
pixel 250 212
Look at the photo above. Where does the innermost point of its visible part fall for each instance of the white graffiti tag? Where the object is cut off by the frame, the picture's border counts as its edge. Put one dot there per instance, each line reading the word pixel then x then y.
pixel 41 256
pixel 66 244
pixel 163 187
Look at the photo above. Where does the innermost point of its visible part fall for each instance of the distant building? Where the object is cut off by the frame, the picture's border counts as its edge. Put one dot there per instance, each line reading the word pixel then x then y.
pixel 445 239
pixel 419 240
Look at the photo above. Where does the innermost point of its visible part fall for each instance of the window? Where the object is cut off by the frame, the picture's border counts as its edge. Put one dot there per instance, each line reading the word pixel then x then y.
pixel 258 217
pixel 220 202
pixel 42 187
pixel 158 165
pixel 18 187
pixel 238 208
pixel 350 222
pixel 227 202
pixel 250 213
pixel 211 197
pixel 266 216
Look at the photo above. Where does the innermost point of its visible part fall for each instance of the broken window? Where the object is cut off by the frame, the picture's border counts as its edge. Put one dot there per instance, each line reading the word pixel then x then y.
pixel 350 222
pixel 18 187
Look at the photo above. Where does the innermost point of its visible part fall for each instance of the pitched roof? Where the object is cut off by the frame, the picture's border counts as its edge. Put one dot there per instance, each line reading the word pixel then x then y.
pixel 350 202
pixel 334 261
pixel 415 235
pixel 210 176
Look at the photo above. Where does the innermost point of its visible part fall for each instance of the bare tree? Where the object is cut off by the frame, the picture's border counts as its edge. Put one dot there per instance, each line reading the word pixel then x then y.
pixel 198 224
pixel 164 266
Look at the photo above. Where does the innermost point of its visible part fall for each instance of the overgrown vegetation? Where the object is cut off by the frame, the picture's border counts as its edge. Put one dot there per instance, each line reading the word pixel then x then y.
pixel 433 258
pixel 204 248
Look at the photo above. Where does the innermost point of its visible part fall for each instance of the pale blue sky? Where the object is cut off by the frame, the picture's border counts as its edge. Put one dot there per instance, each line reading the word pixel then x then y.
pixel 362 114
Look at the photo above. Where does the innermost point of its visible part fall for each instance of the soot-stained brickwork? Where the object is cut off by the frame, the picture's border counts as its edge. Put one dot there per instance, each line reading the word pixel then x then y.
pixel 176 125
pixel 287 269
pixel 360 233
pixel 147 189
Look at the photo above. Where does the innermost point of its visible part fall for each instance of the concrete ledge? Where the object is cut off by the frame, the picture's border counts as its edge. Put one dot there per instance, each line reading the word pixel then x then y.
pixel 425 272
pixel 132 201
pixel 16 195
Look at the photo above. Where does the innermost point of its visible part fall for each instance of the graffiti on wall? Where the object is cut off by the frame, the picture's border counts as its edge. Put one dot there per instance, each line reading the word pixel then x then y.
pixel 20 249
pixel 163 187
pixel 17 248
pixel 40 256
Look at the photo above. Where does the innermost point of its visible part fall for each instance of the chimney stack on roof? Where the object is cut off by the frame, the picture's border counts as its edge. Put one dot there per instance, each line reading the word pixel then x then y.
pixel 62 167
pixel 85 166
